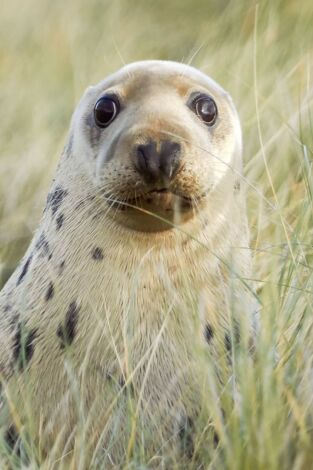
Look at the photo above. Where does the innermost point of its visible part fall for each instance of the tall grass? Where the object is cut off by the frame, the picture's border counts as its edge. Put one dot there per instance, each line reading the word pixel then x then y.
pixel 262 54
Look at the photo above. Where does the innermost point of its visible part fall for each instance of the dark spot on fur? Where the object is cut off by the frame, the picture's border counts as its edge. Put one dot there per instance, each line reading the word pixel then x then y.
pixel 59 221
pixel 216 439
pixel 97 254
pixel 208 332
pixel 66 331
pixel 61 268
pixel 11 438
pixel 24 270
pixel 23 346
pixel 42 245
pixel 7 308
pixel 227 341
pixel 55 198
pixel 49 257
pixel 50 292
pixel 84 202
pixel 121 381
pixel 237 186
pixel 185 434
pixel 80 205
pixel 237 333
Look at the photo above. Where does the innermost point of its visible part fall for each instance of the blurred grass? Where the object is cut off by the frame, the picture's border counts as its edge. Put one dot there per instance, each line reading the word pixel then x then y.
pixel 262 54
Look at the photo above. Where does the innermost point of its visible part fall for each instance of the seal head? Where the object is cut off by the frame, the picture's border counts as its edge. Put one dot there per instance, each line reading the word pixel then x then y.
pixel 159 139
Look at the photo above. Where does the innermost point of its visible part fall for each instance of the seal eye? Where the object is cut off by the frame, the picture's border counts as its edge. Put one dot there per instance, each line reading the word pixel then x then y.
pixel 105 111
pixel 205 108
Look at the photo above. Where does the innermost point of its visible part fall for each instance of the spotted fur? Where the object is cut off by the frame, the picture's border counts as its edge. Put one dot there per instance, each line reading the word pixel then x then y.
pixel 59 221
pixel 66 331
pixel 42 245
pixel 11 438
pixel 208 332
pixel 23 346
pixel 50 291
pixel 107 297
pixel 55 199
pixel 97 254
pixel 24 270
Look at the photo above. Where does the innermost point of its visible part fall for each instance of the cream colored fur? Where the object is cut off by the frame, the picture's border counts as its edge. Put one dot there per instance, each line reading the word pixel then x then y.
pixel 144 307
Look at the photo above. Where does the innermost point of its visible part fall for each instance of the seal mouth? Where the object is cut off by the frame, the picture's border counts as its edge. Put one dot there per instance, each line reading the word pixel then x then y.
pixel 163 199
pixel 156 209
pixel 163 194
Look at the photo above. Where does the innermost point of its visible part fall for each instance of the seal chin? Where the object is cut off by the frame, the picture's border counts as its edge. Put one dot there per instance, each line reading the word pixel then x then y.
pixel 154 211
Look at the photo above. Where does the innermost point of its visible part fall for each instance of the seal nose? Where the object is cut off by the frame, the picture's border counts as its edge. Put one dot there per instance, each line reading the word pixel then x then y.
pixel 156 165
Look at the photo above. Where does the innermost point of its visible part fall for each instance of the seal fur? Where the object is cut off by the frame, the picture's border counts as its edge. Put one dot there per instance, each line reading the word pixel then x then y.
pixel 111 298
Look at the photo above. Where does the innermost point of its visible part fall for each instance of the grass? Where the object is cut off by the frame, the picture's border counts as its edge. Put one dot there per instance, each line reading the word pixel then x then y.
pixel 262 54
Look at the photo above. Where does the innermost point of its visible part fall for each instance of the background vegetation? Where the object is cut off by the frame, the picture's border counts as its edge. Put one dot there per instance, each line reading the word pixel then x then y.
pixel 262 54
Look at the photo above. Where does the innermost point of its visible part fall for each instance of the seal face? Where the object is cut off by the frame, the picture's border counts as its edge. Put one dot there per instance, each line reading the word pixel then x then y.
pixel 134 275
pixel 159 138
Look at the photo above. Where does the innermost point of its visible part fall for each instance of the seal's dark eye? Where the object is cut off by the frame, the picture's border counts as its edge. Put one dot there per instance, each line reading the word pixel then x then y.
pixel 105 111
pixel 205 108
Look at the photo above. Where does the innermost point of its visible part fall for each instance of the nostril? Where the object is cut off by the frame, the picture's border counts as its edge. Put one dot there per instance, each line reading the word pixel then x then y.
pixel 147 161
pixel 141 157
pixel 158 163
pixel 170 158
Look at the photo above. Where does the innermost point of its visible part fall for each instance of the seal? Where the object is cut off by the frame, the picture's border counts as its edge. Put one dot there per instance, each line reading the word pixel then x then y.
pixel 136 278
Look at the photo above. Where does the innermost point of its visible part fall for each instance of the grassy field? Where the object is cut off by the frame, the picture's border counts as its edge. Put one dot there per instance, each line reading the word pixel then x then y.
pixel 262 53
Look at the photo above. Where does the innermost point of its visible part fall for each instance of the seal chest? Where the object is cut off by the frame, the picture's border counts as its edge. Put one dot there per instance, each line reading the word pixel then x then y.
pixel 133 278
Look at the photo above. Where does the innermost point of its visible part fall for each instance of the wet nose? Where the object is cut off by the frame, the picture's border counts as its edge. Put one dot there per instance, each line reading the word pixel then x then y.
pixel 158 164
